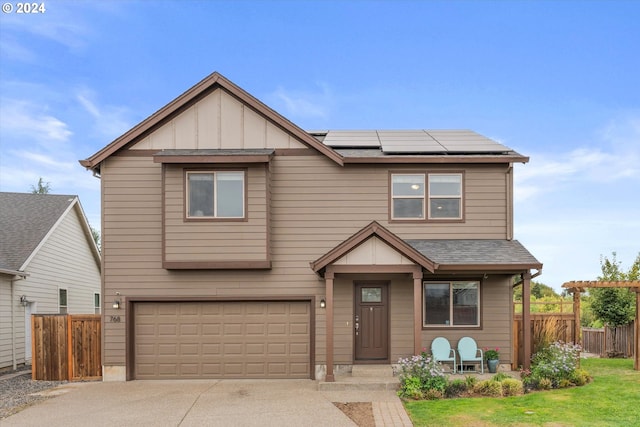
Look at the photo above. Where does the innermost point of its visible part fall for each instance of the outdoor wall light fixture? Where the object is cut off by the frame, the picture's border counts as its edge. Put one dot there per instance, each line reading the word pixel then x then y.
pixel 323 303
pixel 116 302
pixel 24 301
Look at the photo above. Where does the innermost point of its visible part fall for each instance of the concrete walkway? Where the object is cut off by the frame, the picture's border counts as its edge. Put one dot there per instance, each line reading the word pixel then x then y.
pixel 235 403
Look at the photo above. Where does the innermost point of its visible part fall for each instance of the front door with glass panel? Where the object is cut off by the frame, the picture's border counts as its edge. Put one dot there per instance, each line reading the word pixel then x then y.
pixel 371 322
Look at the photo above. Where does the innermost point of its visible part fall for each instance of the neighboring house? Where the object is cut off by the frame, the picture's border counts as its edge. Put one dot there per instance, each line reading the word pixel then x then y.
pixel 240 246
pixel 49 263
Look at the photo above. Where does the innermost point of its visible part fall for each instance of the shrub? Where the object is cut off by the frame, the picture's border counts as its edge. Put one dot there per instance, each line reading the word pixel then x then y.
pixel 456 388
pixel 544 384
pixel 421 373
pixel 512 387
pixel 471 381
pixel 579 377
pixel 433 394
pixel 488 388
pixel 501 376
pixel 556 362
pixel 411 388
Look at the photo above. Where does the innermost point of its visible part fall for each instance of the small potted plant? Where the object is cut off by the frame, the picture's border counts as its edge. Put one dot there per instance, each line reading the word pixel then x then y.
pixel 492 356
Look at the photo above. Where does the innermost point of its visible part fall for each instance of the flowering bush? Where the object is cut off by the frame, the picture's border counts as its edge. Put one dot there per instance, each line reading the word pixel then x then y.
pixel 422 372
pixel 491 354
pixel 555 366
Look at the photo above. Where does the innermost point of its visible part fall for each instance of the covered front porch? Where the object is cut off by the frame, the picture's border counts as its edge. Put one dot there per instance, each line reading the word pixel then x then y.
pixel 387 298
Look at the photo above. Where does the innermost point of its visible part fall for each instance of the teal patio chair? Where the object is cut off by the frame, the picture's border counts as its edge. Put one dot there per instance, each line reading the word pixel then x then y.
pixel 442 351
pixel 468 351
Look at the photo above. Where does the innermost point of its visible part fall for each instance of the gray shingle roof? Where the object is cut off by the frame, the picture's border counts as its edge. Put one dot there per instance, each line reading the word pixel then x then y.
pixel 475 252
pixel 25 219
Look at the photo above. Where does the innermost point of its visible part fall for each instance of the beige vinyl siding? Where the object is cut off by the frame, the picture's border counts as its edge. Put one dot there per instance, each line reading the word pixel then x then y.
pixel 218 121
pixel 216 240
pixel 315 205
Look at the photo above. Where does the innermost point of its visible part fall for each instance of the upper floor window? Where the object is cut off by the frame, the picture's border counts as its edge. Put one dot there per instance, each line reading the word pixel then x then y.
pixel 437 194
pixel 445 196
pixel 407 196
pixel 215 194
pixel 62 301
pixel 451 303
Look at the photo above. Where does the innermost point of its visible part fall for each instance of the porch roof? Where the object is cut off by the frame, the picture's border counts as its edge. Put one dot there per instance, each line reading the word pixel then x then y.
pixel 472 254
pixel 440 256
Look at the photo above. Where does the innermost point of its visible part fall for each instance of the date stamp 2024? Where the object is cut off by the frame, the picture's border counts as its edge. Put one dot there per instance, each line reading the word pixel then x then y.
pixel 24 8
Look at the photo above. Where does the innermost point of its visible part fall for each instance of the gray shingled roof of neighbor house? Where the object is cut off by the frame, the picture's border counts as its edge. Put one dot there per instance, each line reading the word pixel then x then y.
pixel 25 219
pixel 474 252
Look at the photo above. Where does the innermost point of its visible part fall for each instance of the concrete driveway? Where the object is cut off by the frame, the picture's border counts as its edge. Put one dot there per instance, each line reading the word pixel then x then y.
pixel 193 403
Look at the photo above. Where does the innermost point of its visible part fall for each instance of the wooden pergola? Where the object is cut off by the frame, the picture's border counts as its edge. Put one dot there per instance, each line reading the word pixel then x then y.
pixel 577 287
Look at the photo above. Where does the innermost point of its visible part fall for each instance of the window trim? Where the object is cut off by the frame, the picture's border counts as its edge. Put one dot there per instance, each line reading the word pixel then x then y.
pixel 60 306
pixel 188 218
pixel 461 197
pixel 451 282
pixel 427 197
pixel 392 198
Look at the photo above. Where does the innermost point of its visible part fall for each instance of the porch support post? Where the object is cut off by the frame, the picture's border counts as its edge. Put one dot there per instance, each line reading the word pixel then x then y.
pixel 636 333
pixel 576 316
pixel 526 319
pixel 417 311
pixel 328 277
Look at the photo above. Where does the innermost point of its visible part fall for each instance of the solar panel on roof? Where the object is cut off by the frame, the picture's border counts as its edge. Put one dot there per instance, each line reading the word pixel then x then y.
pixel 360 139
pixel 415 141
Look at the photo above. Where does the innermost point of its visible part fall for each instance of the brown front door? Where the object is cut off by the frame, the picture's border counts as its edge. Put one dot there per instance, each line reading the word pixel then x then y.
pixel 371 322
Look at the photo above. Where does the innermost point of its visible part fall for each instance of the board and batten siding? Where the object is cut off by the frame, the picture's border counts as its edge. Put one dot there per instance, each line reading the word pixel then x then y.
pixel 218 121
pixel 315 205
pixel 212 240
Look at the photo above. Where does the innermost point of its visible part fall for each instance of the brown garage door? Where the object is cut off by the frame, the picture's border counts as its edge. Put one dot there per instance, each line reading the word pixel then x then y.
pixel 250 339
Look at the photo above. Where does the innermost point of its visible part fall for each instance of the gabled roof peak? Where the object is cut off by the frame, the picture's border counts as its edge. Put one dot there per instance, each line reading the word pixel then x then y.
pixel 209 83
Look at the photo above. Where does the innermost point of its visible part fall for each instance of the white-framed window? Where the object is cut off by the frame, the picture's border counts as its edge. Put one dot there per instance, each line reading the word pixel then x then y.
pixel 451 303
pixel 407 196
pixel 62 301
pixel 445 195
pixel 215 194
pixel 96 303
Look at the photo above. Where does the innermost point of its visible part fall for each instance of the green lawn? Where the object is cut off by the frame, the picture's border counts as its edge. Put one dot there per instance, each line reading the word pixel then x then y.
pixel 612 399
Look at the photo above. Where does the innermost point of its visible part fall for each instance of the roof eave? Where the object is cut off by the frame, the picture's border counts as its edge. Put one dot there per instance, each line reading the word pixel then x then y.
pixel 490 267
pixel 438 159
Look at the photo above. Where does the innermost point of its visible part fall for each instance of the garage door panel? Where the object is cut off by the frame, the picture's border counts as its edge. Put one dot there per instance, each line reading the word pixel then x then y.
pixel 222 340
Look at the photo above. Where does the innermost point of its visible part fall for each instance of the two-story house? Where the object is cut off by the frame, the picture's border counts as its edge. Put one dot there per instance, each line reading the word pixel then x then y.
pixel 49 264
pixel 238 245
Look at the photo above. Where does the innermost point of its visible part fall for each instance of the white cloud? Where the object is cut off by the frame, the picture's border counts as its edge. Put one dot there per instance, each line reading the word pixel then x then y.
pixel 22 118
pixel 304 104
pixel 617 158
pixel 110 121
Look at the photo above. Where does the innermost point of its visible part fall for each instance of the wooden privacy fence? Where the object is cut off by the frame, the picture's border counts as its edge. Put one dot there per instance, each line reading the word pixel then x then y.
pixel 66 347
pixel 545 329
pixel 600 340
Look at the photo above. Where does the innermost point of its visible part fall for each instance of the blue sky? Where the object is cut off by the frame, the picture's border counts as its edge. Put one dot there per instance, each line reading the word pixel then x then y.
pixel 556 81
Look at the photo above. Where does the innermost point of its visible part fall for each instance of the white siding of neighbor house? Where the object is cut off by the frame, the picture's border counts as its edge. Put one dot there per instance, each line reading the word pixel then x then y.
pixel 65 260
pixel 6 358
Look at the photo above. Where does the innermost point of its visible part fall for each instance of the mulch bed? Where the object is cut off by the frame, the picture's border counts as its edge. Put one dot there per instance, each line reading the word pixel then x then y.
pixel 360 413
